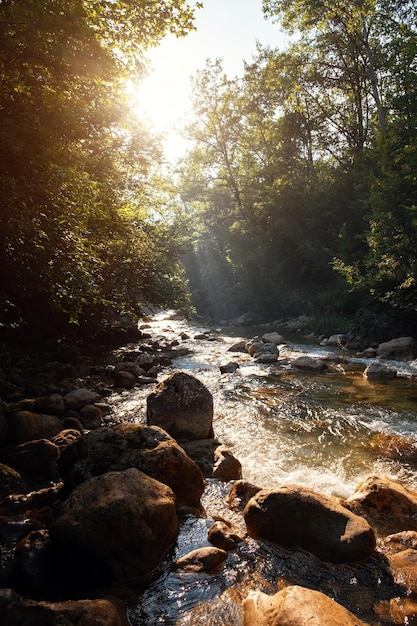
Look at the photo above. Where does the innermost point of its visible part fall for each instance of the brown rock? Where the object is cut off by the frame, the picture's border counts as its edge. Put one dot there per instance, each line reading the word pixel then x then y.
pixel 182 406
pixel 296 606
pixel 226 466
pixel 27 426
pixel 240 494
pixel 116 527
pixel 66 437
pixel 395 447
pixel 222 535
pixel 404 568
pixel 386 504
pixel 80 612
pixel 378 371
pixel 149 449
pixel 308 364
pixel 10 481
pixel 36 461
pixel 201 560
pixel 298 517
pixel 90 416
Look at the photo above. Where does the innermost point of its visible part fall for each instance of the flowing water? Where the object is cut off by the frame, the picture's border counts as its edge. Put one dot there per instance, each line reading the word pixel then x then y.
pixel 284 427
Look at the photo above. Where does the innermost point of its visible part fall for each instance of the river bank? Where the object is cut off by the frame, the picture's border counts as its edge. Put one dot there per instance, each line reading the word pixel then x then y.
pixel 271 417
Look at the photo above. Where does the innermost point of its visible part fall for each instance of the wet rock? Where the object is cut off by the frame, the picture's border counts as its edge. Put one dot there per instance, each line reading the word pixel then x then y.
pixel 404 568
pixel 296 606
pixel 26 426
pixel 116 527
pixel 226 465
pixel 10 481
pixel 126 380
pixel 401 541
pixel 90 416
pixel 239 346
pixel 65 438
pixel 51 405
pixel 393 446
pixel 36 461
pixel 183 406
pixel 308 364
pixel 229 368
pixel 298 517
pixel 39 504
pixel 201 560
pixel 149 449
pixel 397 611
pixel 78 398
pixel 378 371
pixel 240 494
pixel 401 349
pixel 266 353
pixel 273 337
pixel 337 340
pixel 222 535
pixel 386 503
pixel 102 612
pixel 253 346
pixel 202 452
pixel 129 366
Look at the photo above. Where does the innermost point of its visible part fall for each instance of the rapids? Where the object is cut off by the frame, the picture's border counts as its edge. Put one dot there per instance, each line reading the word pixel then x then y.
pixel 284 427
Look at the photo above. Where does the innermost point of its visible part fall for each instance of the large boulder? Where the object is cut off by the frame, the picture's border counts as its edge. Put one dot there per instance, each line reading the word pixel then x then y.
pixel 183 406
pixel 298 517
pixel 149 449
pixel 401 349
pixel 101 612
pixel 296 606
pixel 26 426
pixel 116 528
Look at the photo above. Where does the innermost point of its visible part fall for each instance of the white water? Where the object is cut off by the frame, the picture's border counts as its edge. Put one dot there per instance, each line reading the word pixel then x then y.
pixel 286 427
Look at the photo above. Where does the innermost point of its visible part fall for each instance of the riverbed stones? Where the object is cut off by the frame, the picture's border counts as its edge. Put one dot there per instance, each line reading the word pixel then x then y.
pixel 36 461
pixel 300 518
pixel 296 606
pixel 101 612
pixel 25 426
pixel 183 406
pixel 149 449
pixel 116 527
pixel 201 560
pixel 273 337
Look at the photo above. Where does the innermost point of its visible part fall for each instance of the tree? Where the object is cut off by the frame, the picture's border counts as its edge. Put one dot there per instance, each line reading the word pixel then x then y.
pixel 71 156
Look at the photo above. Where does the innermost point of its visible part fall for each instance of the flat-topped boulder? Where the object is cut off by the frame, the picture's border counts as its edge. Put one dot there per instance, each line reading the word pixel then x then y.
pixel 300 518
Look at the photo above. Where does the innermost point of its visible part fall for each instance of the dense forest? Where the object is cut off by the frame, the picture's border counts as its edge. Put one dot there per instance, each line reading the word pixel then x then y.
pixel 298 196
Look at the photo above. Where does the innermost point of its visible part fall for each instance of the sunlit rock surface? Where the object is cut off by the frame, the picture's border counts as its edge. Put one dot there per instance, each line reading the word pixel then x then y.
pixel 297 517
pixel 296 606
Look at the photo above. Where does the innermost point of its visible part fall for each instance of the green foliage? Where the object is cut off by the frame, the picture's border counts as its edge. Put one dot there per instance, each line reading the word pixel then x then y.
pixel 76 203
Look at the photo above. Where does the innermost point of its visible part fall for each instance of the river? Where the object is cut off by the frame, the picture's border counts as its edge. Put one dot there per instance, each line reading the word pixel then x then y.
pixel 284 427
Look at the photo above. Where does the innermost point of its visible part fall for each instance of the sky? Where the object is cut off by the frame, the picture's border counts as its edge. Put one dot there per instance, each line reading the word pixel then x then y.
pixel 226 29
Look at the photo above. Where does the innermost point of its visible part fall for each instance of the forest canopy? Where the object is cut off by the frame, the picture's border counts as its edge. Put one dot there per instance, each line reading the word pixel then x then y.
pixel 78 172
pixel 298 195
pixel 303 173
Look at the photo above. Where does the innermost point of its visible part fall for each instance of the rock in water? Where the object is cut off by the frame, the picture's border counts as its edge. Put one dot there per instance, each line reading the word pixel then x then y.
pixel 298 517
pixel 296 606
pixel 183 406
pixel 116 528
